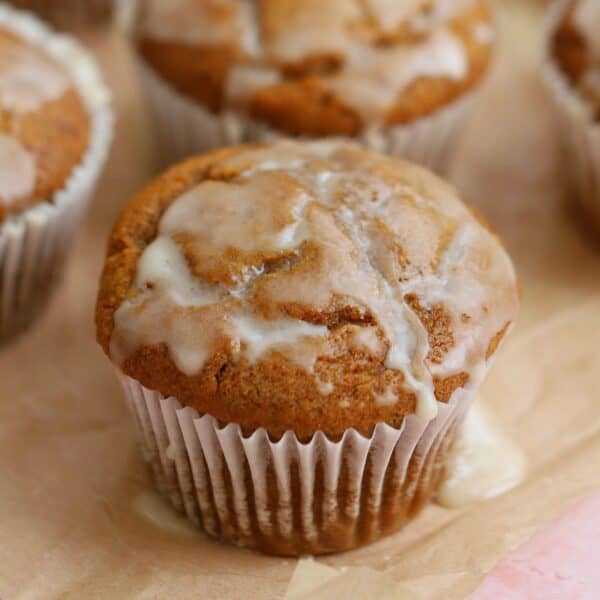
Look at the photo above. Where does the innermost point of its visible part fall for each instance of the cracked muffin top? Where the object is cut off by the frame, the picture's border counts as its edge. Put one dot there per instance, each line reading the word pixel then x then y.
pixel 303 286
pixel 317 68
pixel 576 48
pixel 44 126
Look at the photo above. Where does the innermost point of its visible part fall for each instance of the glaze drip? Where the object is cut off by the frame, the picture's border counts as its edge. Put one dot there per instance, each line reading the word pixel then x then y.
pixel 27 78
pixel 17 170
pixel 484 462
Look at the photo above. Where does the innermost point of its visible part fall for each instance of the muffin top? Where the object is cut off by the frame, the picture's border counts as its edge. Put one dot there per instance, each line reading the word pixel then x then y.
pixel 44 125
pixel 576 47
pixel 66 14
pixel 304 286
pixel 316 68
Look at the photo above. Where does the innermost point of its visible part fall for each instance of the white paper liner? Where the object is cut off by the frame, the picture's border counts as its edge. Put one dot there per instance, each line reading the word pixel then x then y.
pixel 186 128
pixel 35 243
pixel 580 131
pixel 329 495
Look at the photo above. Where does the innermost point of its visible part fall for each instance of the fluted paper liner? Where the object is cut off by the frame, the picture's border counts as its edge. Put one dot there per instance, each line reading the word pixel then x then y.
pixel 186 128
pixel 35 243
pixel 580 131
pixel 288 496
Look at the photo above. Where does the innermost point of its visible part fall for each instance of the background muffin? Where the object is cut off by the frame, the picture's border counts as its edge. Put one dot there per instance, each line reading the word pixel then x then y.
pixel 573 76
pixel 394 76
pixel 45 128
pixel 300 329
pixel 68 14
pixel 576 48
pixel 55 127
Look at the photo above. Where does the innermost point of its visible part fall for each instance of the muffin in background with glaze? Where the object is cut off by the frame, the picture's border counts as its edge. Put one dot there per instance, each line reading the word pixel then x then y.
pixel 572 73
pixel 399 77
pixel 300 328
pixel 54 135
pixel 46 130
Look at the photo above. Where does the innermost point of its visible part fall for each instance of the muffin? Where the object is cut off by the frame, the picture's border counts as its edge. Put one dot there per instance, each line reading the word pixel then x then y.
pixel 69 14
pixel 55 128
pixel 299 328
pixel 572 73
pixel 396 77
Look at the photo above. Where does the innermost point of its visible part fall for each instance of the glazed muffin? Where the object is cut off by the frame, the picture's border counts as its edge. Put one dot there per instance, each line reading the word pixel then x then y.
pixel 54 133
pixel 573 76
pixel 396 77
pixel 300 328
pixel 69 14
pixel 576 49
pixel 44 130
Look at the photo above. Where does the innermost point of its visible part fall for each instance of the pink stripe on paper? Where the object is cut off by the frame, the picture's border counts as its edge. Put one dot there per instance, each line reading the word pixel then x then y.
pixel 561 561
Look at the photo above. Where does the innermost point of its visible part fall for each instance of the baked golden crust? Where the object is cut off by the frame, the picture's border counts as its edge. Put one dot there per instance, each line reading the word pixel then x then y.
pixel 197 72
pixel 66 14
pixel 576 54
pixel 569 46
pixel 301 92
pixel 54 133
pixel 276 391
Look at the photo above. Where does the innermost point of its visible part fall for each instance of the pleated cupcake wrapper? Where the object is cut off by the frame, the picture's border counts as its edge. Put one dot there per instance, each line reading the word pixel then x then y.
pixel 35 243
pixel 186 128
pixel 580 131
pixel 328 495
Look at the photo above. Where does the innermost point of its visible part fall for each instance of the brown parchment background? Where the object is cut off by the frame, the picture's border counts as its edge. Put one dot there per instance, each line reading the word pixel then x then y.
pixel 71 475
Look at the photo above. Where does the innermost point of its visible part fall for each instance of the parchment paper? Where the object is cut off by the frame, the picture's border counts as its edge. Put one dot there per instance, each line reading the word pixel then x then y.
pixel 77 514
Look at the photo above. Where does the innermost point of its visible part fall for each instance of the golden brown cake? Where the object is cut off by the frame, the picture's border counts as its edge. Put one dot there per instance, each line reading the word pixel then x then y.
pixel 572 74
pixel 44 126
pixel 67 14
pixel 576 49
pixel 55 131
pixel 357 68
pixel 299 292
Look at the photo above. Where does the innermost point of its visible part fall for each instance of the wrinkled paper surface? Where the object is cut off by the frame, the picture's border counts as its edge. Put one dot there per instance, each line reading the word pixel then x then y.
pixel 78 517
